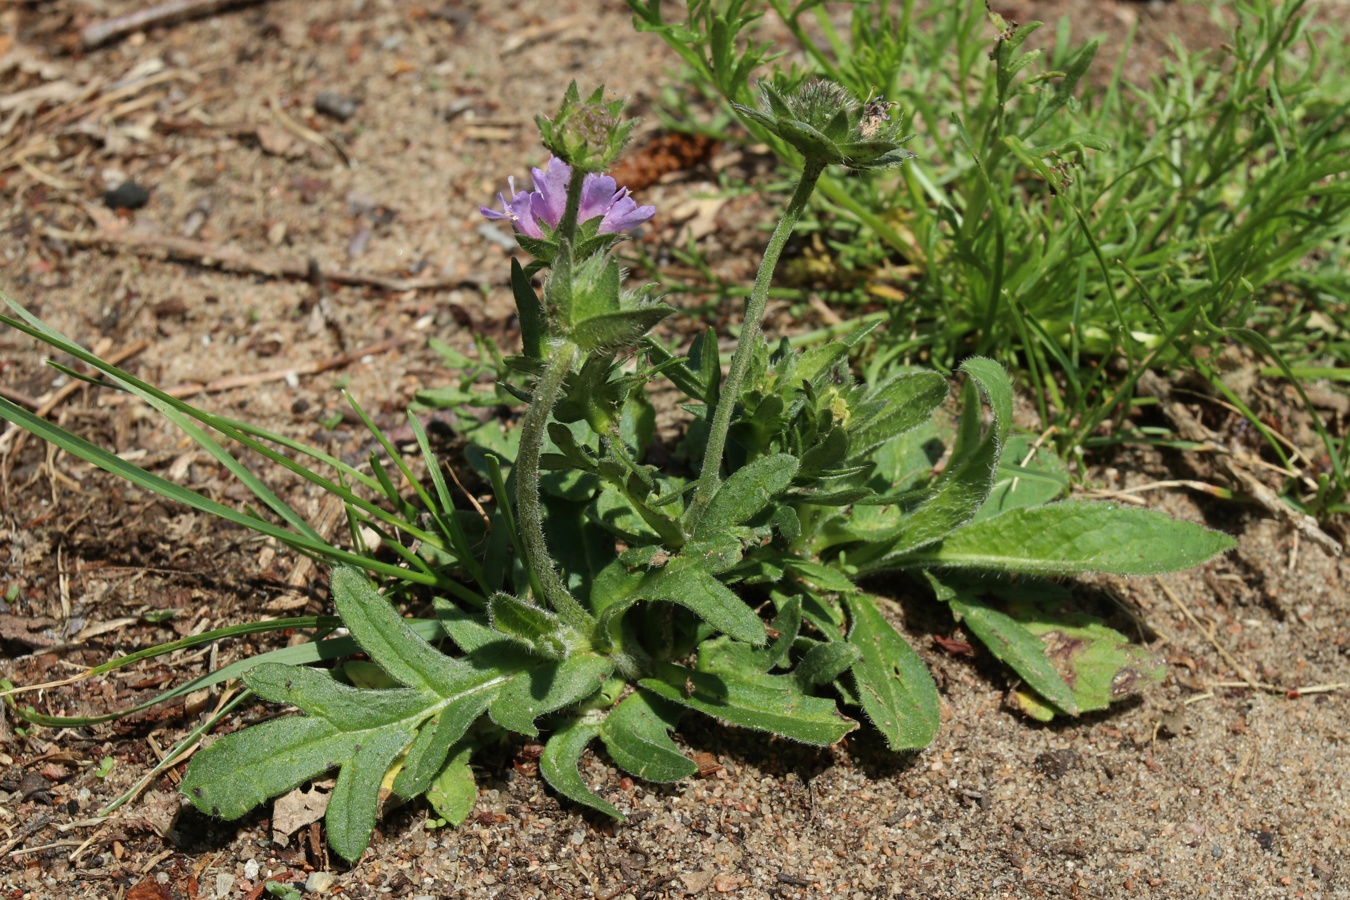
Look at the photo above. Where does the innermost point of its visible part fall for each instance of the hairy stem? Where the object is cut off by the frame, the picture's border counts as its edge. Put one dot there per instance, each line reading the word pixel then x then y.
pixel 529 511
pixel 710 476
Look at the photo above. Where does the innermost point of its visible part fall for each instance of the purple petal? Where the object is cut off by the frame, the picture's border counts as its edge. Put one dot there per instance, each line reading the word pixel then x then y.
pixel 550 191
pixel 625 214
pixel 597 196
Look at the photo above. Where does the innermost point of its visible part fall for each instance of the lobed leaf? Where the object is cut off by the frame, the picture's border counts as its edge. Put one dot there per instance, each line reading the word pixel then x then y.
pixel 637 735
pixel 560 760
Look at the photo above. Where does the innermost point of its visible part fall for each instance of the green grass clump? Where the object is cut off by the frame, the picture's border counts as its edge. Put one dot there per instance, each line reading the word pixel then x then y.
pixel 1054 224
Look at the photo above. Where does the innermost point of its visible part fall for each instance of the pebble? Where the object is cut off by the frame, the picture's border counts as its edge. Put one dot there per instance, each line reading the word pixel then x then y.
pixel 224 885
pixel 319 882
pixel 127 195
pixel 251 869
pixel 339 106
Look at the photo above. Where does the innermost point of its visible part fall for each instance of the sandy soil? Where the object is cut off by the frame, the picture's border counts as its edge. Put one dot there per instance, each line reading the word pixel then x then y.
pixel 1208 786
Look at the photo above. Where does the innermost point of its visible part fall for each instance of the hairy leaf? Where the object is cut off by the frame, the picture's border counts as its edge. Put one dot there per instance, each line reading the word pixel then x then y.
pixel 1010 642
pixel 359 732
pixel 747 492
pixel 637 735
pixel 546 688
pixel 894 687
pixel 1071 537
pixel 454 791
pixel 560 760
pixel 683 582
pixel 772 703
pixel 906 402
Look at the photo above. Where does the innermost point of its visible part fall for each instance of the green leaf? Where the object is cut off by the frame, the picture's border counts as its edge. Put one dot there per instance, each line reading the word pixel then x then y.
pixel 546 688
pixel 894 687
pixel 359 732
pixel 637 735
pixel 1099 664
pixel 454 791
pixel 1074 537
pixel 775 703
pixel 1014 645
pixel 534 628
pixel 614 331
pixel 683 582
pixel 387 639
pixel 967 481
pixel 825 662
pixel 560 760
pixel 533 322
pixel 722 655
pixel 747 492
pixel 906 402
pixel 1043 479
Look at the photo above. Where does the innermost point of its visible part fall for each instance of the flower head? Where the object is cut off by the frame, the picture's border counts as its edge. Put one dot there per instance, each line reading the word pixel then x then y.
pixel 588 134
pixel 601 198
pixel 827 124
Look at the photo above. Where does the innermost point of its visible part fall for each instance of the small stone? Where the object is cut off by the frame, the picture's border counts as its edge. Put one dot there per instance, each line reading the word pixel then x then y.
pixel 578 837
pixel 338 106
pixel 127 195
pixel 319 882
pixel 251 870
pixel 224 885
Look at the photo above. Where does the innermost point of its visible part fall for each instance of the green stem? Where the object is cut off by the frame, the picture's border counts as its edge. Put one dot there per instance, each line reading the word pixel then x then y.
pixel 531 518
pixel 710 477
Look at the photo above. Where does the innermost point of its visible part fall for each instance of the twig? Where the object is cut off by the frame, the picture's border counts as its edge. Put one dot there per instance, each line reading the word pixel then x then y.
pixel 25 831
pixel 1190 428
pixel 226 259
pixel 174 11
pixel 1238 667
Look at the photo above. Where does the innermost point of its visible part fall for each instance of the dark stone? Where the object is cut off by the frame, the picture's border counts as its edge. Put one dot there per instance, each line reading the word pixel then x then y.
pixel 127 195
pixel 335 105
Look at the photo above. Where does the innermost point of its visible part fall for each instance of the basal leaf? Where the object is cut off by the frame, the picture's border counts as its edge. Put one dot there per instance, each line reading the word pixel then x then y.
pixel 1072 537
pixel 454 791
pixel 906 402
pixel 747 492
pixel 546 688
pixel 772 703
pixel 358 732
pixel 559 765
pixel 683 582
pixel 637 735
pixel 1099 664
pixel 723 655
pixel 825 662
pixel 387 638
pixel 356 797
pixel 1014 645
pixel 1025 477
pixel 894 686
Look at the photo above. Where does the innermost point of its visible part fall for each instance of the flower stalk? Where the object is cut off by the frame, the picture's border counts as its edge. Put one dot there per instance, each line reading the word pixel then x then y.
pixel 710 477
pixel 529 510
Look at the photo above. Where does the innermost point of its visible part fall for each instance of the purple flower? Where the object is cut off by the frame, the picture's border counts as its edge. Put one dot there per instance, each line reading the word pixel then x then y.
pixel 601 198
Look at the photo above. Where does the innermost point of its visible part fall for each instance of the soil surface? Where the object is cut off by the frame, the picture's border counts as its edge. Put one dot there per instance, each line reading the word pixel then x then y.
pixel 359 138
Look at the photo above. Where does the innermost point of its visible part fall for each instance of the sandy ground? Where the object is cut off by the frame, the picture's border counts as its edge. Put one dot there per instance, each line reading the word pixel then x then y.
pixel 1205 787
